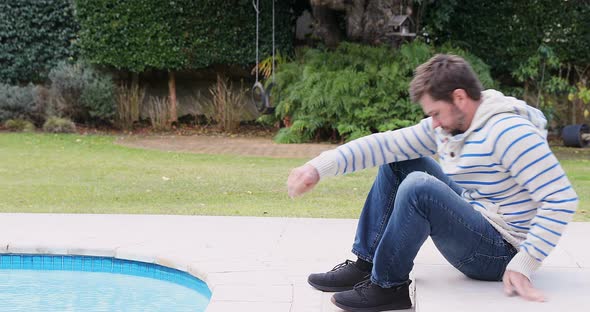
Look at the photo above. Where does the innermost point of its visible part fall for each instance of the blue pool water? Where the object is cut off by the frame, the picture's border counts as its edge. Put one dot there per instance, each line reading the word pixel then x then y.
pixel 79 283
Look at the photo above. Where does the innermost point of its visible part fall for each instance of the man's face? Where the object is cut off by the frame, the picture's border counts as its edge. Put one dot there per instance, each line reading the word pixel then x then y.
pixel 444 114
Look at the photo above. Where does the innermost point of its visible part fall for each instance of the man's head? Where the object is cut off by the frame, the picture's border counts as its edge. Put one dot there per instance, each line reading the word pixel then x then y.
pixel 448 90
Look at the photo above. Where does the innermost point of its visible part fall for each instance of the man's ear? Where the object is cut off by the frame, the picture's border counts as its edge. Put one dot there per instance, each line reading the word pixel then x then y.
pixel 460 98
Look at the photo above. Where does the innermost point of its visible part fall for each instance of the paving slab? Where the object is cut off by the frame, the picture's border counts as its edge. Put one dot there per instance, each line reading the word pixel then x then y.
pixel 442 289
pixel 261 264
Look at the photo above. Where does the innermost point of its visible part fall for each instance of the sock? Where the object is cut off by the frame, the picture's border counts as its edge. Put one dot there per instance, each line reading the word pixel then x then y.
pixel 363 265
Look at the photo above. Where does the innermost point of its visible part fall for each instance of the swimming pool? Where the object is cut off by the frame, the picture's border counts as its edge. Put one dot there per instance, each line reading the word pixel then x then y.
pixel 84 283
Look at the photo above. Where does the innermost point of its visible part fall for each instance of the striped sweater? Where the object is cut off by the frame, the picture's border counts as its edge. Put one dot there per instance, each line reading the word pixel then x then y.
pixel 503 162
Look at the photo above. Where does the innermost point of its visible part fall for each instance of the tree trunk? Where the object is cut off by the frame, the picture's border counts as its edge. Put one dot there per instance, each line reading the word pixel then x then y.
pixel 377 15
pixel 172 91
pixel 367 21
pixel 326 26
pixel 136 106
pixel 134 79
pixel 354 20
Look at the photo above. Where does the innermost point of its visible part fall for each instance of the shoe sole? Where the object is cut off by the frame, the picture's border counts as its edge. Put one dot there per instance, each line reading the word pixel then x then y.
pixel 330 288
pixel 387 307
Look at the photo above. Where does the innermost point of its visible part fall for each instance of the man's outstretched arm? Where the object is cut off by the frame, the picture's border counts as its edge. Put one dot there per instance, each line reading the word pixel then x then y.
pixel 302 179
pixel 366 152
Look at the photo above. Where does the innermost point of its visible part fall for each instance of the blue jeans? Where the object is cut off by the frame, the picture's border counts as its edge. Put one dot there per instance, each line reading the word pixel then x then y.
pixel 414 199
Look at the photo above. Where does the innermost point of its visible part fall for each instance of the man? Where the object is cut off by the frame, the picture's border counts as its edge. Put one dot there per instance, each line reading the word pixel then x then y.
pixel 495 206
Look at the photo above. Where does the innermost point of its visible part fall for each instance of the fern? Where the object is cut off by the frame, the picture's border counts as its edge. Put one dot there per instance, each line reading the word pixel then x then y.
pixel 286 136
pixel 355 90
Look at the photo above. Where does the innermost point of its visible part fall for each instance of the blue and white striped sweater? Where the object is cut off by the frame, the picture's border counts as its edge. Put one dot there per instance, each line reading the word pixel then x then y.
pixel 503 162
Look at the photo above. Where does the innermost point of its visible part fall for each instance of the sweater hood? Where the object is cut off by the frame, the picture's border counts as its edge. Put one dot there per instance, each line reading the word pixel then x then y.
pixel 493 103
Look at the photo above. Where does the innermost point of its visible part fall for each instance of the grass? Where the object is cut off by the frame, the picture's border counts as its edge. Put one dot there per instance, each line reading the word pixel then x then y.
pixel 90 174
pixel 576 163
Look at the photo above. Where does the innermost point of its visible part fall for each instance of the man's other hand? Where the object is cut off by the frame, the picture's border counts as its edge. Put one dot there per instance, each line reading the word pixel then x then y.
pixel 301 180
pixel 517 284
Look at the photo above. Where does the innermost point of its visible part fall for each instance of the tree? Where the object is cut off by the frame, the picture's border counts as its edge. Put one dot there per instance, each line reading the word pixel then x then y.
pixel 136 35
pixel 506 33
pixel 132 35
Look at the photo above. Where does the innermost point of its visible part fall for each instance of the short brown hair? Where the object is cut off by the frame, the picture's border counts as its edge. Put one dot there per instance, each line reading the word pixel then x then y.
pixel 443 74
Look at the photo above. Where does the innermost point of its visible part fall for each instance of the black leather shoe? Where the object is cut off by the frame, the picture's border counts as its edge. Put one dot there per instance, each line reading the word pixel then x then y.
pixel 369 297
pixel 342 277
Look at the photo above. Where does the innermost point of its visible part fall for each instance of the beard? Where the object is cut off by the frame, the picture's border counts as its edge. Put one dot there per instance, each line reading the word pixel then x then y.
pixel 459 122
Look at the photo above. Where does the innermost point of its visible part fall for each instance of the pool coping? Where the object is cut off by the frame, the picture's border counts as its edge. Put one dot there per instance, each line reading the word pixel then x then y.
pixel 248 279
pixel 94 264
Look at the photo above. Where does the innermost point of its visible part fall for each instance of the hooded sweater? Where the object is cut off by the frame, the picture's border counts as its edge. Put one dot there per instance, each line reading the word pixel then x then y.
pixel 503 162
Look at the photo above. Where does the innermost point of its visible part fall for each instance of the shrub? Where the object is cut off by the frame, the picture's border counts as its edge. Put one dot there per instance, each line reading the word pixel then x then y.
pixel 66 90
pixel 289 136
pixel 42 99
pixel 59 125
pixel 551 85
pixel 19 125
pixel 159 112
pixel 128 103
pixel 16 102
pixel 98 96
pixel 353 91
pixel 82 93
pixel 227 104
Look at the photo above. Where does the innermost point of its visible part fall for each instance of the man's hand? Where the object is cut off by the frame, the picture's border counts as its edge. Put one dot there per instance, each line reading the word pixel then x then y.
pixel 517 284
pixel 302 179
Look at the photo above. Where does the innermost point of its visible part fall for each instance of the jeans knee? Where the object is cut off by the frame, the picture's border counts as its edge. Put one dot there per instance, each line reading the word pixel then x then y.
pixel 418 181
pixel 414 187
pixel 414 184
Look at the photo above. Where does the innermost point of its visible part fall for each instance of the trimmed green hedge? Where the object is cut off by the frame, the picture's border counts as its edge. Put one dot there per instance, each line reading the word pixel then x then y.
pixel 34 36
pixel 182 34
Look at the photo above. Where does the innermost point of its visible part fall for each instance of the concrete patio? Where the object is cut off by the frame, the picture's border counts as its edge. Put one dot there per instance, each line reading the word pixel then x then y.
pixel 261 264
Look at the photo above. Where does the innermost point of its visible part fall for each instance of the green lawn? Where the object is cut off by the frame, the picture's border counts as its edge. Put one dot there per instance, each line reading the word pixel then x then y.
pixel 90 174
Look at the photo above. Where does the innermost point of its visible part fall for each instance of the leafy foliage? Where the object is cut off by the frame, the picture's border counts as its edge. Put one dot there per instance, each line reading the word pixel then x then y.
pixel 19 125
pixel 540 87
pixel 59 125
pixel 353 91
pixel 538 49
pixel 580 97
pixel 554 86
pixel 16 102
pixel 82 93
pixel 183 34
pixel 99 96
pixel 506 33
pixel 265 67
pixel 34 36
